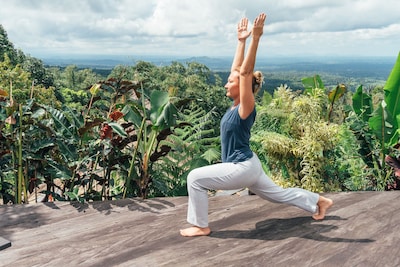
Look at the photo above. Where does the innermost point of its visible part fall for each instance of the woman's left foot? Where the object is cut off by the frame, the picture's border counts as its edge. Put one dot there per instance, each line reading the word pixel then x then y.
pixel 195 231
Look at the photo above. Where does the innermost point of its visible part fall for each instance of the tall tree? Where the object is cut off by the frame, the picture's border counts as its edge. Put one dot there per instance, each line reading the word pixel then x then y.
pixel 6 47
pixel 39 74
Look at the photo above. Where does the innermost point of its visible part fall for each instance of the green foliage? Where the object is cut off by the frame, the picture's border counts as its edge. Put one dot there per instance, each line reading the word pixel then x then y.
pixel 6 47
pixel 76 99
pixel 97 154
pixel 297 149
pixel 362 103
pixel 334 96
pixel 392 100
pixel 155 126
pixel 377 129
pixel 23 145
pixel 190 149
pixel 344 163
pixel 78 79
pixel 14 80
pixel 19 86
pixel 141 130
pixel 302 148
pixel 38 73
pixel 312 83
pixel 192 81
pixel 384 120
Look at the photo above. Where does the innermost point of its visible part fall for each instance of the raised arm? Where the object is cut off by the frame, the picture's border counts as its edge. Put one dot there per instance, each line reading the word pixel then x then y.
pixel 242 36
pixel 247 100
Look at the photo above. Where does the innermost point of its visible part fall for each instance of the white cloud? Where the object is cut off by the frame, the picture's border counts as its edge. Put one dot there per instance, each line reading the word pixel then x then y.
pixel 200 27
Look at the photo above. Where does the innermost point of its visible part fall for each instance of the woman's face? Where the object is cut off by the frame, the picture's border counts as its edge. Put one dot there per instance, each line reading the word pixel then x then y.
pixel 232 85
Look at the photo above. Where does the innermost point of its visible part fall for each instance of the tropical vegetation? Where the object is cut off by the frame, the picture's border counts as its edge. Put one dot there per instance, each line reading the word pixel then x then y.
pixel 72 134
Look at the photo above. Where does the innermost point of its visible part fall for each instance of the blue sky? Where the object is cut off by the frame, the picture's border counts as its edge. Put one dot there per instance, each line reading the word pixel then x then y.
pixel 45 28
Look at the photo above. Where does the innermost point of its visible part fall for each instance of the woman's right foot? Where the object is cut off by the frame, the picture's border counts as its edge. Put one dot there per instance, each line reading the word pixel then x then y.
pixel 323 205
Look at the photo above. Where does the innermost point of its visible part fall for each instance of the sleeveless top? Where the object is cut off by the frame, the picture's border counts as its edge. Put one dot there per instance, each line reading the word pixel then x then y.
pixel 235 136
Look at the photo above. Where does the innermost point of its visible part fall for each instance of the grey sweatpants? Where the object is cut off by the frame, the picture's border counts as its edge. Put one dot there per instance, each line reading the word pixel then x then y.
pixel 230 176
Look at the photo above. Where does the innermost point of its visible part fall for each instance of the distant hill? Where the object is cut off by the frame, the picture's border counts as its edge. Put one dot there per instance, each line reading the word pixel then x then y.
pixel 351 71
pixel 378 67
pixel 109 62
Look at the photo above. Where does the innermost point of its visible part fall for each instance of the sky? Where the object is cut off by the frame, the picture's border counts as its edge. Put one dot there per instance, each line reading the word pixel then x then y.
pixel 194 28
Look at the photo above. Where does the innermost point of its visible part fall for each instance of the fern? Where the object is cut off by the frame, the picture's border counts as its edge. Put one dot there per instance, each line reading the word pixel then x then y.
pixel 192 146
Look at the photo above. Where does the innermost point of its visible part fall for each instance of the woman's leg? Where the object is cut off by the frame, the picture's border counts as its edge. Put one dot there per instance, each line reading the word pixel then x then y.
pixel 228 176
pixel 223 176
pixel 304 199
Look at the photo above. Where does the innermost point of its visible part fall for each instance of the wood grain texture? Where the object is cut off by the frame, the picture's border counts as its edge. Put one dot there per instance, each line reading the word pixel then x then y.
pixel 359 230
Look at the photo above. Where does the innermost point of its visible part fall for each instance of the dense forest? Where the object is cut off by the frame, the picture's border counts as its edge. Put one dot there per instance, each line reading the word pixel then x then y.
pixel 69 133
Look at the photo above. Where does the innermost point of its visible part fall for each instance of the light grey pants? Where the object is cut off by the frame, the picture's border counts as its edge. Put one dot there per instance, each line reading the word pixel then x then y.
pixel 230 176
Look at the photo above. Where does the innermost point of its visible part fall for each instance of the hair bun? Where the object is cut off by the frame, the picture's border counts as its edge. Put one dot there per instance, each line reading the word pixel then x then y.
pixel 258 79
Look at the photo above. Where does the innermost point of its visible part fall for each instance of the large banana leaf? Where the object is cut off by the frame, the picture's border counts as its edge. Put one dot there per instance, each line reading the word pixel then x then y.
pixel 392 89
pixel 167 118
pixel 132 115
pixel 362 103
pixel 384 120
pixel 381 124
pixel 163 112
pixel 310 83
pixel 117 128
pixel 392 98
pixel 396 136
pixel 337 93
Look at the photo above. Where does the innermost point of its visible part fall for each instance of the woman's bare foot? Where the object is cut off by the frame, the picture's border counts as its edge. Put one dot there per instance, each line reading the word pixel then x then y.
pixel 195 231
pixel 323 205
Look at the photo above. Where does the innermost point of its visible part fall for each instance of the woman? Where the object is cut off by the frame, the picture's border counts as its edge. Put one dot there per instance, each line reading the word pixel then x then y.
pixel 240 167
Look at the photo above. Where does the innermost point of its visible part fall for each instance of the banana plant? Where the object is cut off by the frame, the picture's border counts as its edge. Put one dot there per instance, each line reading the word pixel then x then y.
pixel 334 96
pixel 362 104
pixel 382 123
pixel 363 108
pixel 312 83
pixel 392 102
pixel 154 119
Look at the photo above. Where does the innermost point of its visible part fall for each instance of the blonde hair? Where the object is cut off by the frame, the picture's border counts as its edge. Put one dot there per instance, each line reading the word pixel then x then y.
pixel 258 79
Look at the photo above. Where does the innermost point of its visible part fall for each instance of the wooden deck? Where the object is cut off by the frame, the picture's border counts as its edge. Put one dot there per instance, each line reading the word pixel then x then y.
pixel 361 229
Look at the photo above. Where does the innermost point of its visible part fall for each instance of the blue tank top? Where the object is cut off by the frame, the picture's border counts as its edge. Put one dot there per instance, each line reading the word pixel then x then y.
pixel 235 136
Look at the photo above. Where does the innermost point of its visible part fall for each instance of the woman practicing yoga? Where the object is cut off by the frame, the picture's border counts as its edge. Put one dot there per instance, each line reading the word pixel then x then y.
pixel 240 167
